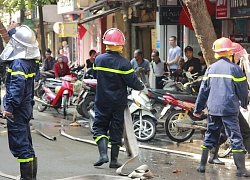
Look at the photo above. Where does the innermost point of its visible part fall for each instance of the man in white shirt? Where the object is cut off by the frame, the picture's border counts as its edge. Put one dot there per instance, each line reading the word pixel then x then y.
pixel 159 68
pixel 174 55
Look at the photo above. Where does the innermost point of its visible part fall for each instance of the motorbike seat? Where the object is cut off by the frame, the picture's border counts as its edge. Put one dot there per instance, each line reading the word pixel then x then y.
pixel 164 92
pixel 90 82
pixel 47 74
pixel 185 97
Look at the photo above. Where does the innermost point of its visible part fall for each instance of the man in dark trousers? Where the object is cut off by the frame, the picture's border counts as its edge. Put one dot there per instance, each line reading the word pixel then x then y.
pixel 21 54
pixel 113 73
pixel 224 89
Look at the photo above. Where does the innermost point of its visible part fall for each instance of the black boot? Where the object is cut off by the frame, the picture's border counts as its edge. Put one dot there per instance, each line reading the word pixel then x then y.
pixel 114 156
pixel 239 161
pixel 103 148
pixel 34 168
pixel 204 156
pixel 246 142
pixel 213 159
pixel 26 170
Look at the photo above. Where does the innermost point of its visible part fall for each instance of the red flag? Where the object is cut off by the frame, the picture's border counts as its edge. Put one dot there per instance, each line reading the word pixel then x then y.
pixel 185 16
pixel 81 31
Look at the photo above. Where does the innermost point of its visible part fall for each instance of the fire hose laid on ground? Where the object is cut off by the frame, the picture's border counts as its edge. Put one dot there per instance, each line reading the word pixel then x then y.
pixel 132 149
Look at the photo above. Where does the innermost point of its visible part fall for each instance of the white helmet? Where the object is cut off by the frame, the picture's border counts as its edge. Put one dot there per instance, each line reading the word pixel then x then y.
pixel 22 45
pixel 25 36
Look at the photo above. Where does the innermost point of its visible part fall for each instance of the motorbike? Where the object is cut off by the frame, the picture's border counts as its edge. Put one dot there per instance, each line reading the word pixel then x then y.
pixel 48 78
pixel 144 121
pixel 181 124
pixel 58 99
pixel 86 97
pixel 159 106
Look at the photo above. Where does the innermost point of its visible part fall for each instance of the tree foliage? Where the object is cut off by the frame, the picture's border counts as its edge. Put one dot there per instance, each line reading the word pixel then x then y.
pixel 15 5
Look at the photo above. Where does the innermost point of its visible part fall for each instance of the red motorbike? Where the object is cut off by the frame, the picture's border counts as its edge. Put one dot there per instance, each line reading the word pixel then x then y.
pixel 58 99
pixel 180 123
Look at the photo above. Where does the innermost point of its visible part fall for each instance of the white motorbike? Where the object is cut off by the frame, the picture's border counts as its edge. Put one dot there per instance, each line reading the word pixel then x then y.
pixel 144 121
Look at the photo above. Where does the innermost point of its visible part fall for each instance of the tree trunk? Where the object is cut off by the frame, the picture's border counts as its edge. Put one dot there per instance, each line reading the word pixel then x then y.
pixel 127 31
pixel 41 27
pixel 203 27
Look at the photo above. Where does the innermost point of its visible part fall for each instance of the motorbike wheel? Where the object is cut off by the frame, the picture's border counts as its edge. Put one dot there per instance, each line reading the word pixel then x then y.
pixel 40 107
pixel 65 104
pixel 146 131
pixel 224 149
pixel 86 105
pixel 174 133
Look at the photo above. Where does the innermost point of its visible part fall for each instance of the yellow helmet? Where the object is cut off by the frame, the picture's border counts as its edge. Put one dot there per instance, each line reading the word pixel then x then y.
pixel 223 47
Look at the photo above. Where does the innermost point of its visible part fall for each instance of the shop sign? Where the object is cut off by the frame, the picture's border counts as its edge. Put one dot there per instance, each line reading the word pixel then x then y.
pixel 65 6
pixel 169 15
pixel 240 8
pixel 222 9
pixel 68 29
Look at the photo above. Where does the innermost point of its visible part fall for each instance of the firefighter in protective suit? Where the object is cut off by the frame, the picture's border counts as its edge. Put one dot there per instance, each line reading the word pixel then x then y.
pixel 113 73
pixel 224 89
pixel 20 54
pixel 239 53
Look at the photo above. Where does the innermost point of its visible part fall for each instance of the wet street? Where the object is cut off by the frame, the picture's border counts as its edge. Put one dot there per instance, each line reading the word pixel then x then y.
pixel 64 158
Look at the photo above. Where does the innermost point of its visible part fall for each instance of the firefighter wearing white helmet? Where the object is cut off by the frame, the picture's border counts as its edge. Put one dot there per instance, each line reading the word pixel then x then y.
pixel 21 54
pixel 224 89
pixel 113 73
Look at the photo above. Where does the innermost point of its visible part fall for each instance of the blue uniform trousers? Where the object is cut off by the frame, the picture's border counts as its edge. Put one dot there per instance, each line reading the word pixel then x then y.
pixel 109 119
pixel 20 141
pixel 232 129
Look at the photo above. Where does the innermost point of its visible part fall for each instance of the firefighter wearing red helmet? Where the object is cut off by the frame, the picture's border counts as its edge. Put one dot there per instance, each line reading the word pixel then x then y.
pixel 224 89
pixel 113 73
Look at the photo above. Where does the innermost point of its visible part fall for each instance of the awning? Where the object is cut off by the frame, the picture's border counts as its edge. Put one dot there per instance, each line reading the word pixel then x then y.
pixel 96 6
pixel 105 13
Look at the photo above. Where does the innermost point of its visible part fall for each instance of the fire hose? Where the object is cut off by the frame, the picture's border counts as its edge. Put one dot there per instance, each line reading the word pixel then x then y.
pixel 132 149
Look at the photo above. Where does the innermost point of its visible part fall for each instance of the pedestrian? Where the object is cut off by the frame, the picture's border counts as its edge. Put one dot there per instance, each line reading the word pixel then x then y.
pixel 61 53
pixel 159 69
pixel 179 71
pixel 224 89
pixel 49 61
pixel 114 74
pixel 61 68
pixel 202 63
pixel 174 54
pixel 19 96
pixel 139 61
pixel 90 61
pixel 192 64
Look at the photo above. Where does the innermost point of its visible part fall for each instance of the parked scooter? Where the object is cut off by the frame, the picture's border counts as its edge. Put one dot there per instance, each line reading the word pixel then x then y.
pixel 159 106
pixel 87 97
pixel 180 124
pixel 59 99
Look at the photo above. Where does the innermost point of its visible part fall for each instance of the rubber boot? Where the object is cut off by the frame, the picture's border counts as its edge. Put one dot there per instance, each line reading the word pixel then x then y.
pixel 26 170
pixel 213 159
pixel 204 156
pixel 103 148
pixel 34 168
pixel 239 161
pixel 246 142
pixel 114 156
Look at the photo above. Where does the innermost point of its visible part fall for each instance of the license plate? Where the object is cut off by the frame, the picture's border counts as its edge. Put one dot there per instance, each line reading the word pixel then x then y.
pixel 165 109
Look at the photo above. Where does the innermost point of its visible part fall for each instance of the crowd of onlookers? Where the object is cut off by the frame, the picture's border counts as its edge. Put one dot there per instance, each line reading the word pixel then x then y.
pixel 173 66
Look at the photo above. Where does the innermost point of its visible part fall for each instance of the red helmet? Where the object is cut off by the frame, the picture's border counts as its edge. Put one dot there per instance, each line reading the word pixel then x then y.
pixel 114 37
pixel 238 49
pixel 223 44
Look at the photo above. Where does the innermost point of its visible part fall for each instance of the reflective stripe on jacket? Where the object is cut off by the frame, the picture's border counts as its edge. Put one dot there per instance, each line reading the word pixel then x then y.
pixel 19 84
pixel 114 73
pixel 223 88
